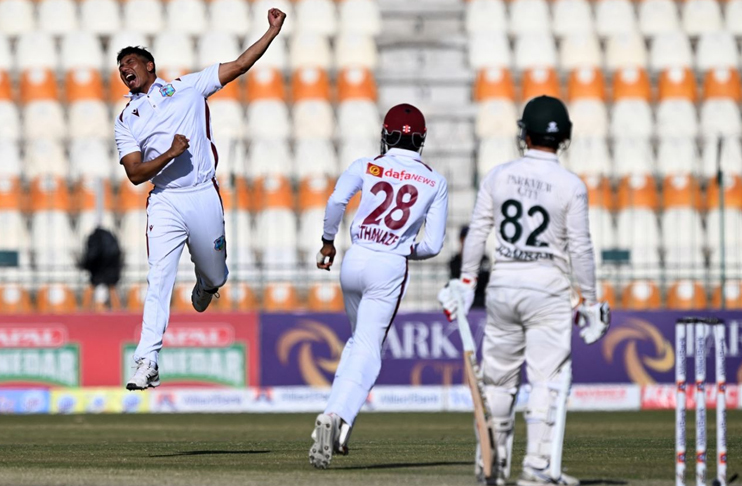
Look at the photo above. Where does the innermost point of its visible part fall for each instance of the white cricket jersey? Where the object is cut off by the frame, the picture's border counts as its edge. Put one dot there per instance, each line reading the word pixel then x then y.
pixel 398 194
pixel 538 210
pixel 150 121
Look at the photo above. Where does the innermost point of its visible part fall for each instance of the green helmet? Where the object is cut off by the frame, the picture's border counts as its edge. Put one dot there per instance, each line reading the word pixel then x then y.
pixel 546 121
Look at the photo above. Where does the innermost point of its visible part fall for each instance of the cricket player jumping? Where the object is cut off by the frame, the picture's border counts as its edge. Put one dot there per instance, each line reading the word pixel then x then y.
pixel 538 210
pixel 398 194
pixel 164 135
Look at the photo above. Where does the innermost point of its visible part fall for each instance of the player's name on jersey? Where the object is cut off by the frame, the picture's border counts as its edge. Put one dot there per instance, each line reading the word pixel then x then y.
pixel 528 186
pixel 523 255
pixel 377 235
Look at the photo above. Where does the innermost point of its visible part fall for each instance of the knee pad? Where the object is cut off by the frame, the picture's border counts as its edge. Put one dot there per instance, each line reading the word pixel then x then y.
pixel 546 416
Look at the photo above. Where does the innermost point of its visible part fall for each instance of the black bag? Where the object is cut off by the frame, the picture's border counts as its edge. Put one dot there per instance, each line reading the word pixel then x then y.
pixel 102 258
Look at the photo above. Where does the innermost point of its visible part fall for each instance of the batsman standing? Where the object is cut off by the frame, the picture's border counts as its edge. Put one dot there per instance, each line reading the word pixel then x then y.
pixel 164 135
pixel 398 194
pixel 539 212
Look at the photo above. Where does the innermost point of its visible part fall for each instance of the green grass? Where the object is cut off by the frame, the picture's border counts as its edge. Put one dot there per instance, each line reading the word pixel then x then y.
pixel 386 449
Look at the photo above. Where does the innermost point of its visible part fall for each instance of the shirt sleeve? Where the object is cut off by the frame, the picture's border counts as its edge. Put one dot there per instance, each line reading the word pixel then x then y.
pixel 435 226
pixel 580 245
pixel 349 183
pixel 125 141
pixel 482 221
pixel 206 82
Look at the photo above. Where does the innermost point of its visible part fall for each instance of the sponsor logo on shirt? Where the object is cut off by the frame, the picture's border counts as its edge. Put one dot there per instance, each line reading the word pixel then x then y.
pixel 167 90
pixel 408 176
pixel 374 170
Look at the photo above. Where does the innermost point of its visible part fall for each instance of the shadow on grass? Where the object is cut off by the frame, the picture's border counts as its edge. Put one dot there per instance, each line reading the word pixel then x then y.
pixel 602 481
pixel 206 453
pixel 402 465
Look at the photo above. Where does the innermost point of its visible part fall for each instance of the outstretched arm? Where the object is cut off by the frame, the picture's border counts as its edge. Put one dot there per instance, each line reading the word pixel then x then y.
pixel 229 71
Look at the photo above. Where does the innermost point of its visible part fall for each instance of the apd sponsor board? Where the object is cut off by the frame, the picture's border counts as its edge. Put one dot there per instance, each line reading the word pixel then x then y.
pixel 24 401
pixel 97 400
pixel 95 350
pixel 604 397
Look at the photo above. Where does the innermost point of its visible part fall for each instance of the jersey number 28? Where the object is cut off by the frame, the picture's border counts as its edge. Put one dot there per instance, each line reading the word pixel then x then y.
pixel 513 210
pixel 399 204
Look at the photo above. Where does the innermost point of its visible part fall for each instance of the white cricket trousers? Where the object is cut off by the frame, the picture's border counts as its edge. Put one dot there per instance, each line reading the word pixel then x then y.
pixel 373 286
pixel 176 217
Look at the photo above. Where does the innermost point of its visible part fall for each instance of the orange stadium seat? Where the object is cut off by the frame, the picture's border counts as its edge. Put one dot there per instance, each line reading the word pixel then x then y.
pixel 85 195
pixel 84 84
pixel 181 299
pixel 606 292
pixel 56 299
pixel 356 84
pixel 310 84
pixel 677 83
pixel 273 192
pixel 116 89
pixel 14 299
pixel 6 87
pixel 722 83
pixel 732 193
pixel 732 295
pixel 243 194
pixel 586 83
pixel 314 192
pixel 265 83
pixel 38 85
pixel 232 92
pixel 132 198
pixel 637 191
pixel 540 81
pixel 325 297
pixel 494 83
pixel 641 295
pixel 135 297
pixel 50 194
pixel 101 299
pixel 280 296
pixel 235 297
pixel 686 295
pixel 681 191
pixel 631 83
pixel 599 192
pixel 11 194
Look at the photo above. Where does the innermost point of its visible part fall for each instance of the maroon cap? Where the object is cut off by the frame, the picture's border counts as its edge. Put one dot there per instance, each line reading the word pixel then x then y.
pixel 406 119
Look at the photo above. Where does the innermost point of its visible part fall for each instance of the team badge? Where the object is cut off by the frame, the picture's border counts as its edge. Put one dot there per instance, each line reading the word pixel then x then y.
pixel 552 128
pixel 220 243
pixel 406 129
pixel 374 170
pixel 167 90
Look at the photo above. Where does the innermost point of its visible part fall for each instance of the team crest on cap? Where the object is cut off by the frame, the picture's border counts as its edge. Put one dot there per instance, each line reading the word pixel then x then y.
pixel 552 128
pixel 135 112
pixel 374 170
pixel 406 129
pixel 220 243
pixel 167 90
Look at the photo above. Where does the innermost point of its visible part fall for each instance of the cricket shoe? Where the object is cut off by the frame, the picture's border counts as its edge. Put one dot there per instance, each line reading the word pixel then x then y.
pixel 201 298
pixel 330 435
pixel 498 476
pixel 146 376
pixel 538 477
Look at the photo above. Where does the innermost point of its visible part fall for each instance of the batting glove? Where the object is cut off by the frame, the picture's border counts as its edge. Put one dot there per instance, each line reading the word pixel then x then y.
pixel 457 291
pixel 593 321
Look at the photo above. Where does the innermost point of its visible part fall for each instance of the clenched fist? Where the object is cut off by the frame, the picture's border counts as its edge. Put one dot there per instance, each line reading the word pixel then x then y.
pixel 180 145
pixel 276 18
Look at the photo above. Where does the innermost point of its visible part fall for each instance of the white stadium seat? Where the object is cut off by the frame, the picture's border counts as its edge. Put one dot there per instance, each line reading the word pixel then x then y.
pixel 720 116
pixel 614 17
pixel 90 118
pixel 187 16
pixel 489 50
pixel 10 154
pixel 359 119
pixel 227 118
pixel 670 50
pixel 6 58
pixel 45 157
pixel 496 118
pixel 529 17
pixel 535 51
pixel 572 17
pixel 493 152
pixel 259 16
pixel 658 17
pixel 277 229
pixel 17 17
pixel 229 17
pixel 638 231
pixel 57 16
pixel 360 17
pixel 677 156
pixel 316 17
pixel 632 157
pixel 311 224
pixel 101 17
pixel 174 51
pixel 701 16
pixel 589 156
pixel 315 157
pixel 355 50
pixel 580 50
pixel 82 50
pixel 352 149
pixel 90 158
pixel 677 118
pixel 733 17
pixel 313 119
pixel 310 49
pixel 10 123
pixel 36 50
pixel 625 50
pixel 266 157
pixel 215 47
pixel 275 57
pixel 144 16
pixel 44 120
pixel 631 118
pixel 52 240
pixel 684 255
pixel 731 157
pixel 589 118
pixel 485 16
pixel 716 50
pixel 268 120
pixel 120 40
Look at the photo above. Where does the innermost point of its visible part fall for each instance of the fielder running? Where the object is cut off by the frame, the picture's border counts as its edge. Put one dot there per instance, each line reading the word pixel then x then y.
pixel 538 211
pixel 398 194
pixel 164 135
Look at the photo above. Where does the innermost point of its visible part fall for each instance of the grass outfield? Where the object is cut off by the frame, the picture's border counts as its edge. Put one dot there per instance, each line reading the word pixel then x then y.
pixel 386 449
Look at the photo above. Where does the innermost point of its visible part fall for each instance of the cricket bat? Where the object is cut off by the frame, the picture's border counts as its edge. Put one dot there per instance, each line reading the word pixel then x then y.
pixel 482 414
